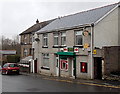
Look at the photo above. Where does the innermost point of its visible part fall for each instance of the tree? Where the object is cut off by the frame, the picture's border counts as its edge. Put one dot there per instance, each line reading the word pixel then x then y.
pixel 10 44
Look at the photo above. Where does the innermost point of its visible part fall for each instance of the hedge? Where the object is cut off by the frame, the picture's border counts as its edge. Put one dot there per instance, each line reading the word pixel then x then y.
pixel 13 58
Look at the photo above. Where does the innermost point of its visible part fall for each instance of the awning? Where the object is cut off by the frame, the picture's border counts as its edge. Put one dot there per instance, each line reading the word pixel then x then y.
pixel 26 59
pixel 66 53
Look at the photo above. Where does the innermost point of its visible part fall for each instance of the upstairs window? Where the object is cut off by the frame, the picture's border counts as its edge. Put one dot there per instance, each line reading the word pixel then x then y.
pixel 45 40
pixel 55 39
pixel 30 38
pixel 63 38
pixel 25 52
pixel 78 38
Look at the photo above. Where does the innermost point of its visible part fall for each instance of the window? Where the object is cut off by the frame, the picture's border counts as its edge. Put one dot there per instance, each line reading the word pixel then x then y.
pixel 25 52
pixel 45 60
pixel 55 39
pixel 13 65
pixel 64 64
pixel 45 40
pixel 30 38
pixel 6 65
pixel 63 38
pixel 78 38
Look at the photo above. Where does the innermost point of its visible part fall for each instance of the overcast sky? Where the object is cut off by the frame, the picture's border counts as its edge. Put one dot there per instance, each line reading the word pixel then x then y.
pixel 18 15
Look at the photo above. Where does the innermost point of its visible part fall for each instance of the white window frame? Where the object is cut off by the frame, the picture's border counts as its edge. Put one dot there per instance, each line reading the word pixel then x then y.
pixel 63 38
pixel 45 57
pixel 55 37
pixel 78 33
pixel 45 40
pixel 25 52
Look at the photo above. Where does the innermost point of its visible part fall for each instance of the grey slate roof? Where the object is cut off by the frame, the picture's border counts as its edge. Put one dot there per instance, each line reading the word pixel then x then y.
pixel 85 17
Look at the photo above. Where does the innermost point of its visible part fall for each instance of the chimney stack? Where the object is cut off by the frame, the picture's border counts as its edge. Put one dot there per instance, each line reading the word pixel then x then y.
pixel 37 21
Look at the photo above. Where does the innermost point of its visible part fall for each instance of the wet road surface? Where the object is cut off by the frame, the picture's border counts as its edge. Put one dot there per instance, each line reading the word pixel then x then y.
pixel 23 83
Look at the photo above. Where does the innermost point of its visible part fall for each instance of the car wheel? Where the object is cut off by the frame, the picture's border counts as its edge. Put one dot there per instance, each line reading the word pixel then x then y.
pixel 2 72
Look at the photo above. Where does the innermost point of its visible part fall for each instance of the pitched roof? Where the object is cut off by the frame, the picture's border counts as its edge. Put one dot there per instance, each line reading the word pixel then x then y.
pixel 81 18
pixel 36 27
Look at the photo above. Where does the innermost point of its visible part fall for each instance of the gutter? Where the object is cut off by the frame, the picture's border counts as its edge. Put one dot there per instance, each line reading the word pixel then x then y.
pixel 63 29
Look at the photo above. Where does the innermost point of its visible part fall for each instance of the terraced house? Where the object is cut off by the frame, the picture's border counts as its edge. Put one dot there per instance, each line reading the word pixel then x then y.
pixel 70 46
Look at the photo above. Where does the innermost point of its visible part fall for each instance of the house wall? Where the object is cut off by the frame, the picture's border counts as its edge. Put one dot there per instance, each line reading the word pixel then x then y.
pixel 83 55
pixel 119 25
pixel 106 31
pixel 25 43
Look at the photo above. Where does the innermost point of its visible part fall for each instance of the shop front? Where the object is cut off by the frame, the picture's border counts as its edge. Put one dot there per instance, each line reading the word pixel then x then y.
pixel 66 65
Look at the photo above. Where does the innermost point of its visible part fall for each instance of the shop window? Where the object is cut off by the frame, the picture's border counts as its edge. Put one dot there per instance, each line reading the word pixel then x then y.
pixel 64 64
pixel 83 67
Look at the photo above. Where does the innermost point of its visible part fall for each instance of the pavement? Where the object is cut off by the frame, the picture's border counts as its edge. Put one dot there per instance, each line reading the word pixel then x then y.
pixel 95 82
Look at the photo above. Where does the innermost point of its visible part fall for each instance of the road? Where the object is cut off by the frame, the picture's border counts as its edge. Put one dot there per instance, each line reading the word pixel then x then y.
pixel 24 83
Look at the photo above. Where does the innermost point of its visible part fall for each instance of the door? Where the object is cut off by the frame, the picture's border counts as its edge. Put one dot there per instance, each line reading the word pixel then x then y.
pixel 57 66
pixel 35 66
pixel 97 68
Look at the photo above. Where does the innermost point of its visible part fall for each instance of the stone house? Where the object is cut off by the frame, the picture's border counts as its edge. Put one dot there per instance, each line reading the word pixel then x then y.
pixel 67 47
pixel 27 38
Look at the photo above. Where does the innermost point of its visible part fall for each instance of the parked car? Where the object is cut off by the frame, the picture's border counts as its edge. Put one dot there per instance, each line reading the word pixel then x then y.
pixel 10 68
pixel 0 68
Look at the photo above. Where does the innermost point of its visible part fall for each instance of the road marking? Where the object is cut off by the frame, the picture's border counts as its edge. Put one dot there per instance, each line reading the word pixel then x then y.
pixel 92 84
pixel 99 85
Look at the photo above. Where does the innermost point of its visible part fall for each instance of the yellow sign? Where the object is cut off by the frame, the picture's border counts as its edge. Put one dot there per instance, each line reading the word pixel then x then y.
pixel 94 51
pixel 86 45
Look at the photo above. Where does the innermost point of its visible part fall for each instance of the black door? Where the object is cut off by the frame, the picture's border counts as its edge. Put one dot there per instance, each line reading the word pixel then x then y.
pixel 35 66
pixel 97 68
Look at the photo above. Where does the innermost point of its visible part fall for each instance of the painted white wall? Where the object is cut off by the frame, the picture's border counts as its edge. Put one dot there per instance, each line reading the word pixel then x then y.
pixel 106 31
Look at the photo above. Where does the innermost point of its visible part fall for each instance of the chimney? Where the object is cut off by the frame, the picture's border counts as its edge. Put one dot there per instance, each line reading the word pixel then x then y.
pixel 37 21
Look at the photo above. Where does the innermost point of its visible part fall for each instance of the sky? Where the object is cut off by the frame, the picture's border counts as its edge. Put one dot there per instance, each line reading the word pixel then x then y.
pixel 18 15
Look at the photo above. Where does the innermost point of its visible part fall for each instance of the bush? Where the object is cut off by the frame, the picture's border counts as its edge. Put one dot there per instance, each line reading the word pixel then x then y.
pixel 13 58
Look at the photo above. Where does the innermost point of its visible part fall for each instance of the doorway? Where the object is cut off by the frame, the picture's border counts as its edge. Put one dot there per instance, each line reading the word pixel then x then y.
pixel 97 68
pixel 35 66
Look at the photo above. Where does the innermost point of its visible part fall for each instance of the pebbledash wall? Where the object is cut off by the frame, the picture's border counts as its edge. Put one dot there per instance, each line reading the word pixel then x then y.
pixel 84 55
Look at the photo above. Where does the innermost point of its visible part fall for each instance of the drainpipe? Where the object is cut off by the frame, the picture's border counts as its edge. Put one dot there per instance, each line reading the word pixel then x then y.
pixel 92 63
pixel 59 44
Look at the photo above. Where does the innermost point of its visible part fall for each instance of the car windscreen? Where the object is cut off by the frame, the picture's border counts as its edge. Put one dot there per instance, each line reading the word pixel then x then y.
pixel 13 65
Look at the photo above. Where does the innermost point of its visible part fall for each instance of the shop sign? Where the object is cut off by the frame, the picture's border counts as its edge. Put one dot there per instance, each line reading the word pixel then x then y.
pixel 65 49
pixel 86 45
pixel 86 32
pixel 70 49
pixel 94 51
pixel 76 49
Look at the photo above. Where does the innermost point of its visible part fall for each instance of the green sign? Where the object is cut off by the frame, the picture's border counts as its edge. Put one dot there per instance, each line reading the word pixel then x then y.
pixel 70 49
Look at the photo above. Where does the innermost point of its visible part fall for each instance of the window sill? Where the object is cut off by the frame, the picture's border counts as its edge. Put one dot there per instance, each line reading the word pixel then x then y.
pixel 79 46
pixel 66 70
pixel 56 46
pixel 46 68
pixel 44 46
